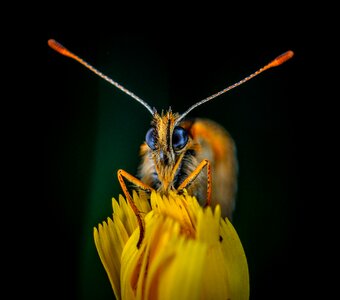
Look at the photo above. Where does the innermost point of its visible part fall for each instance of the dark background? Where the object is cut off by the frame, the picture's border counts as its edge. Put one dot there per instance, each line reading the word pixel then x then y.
pixel 92 129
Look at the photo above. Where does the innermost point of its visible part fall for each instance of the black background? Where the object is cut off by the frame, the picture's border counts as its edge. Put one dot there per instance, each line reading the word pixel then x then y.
pixel 91 129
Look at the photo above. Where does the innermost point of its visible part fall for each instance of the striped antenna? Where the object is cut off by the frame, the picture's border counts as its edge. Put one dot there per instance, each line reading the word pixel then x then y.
pixel 274 63
pixel 62 50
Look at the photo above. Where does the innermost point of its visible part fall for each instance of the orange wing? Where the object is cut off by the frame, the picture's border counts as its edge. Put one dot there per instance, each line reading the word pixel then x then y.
pixel 216 145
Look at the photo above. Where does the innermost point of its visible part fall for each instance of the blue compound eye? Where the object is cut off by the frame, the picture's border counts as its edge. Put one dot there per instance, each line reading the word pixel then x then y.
pixel 150 138
pixel 179 138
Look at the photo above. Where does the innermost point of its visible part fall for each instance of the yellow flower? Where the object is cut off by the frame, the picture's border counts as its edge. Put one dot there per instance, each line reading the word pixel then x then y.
pixel 188 252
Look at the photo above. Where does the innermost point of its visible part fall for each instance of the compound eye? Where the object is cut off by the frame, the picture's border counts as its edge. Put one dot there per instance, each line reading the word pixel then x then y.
pixel 150 138
pixel 179 138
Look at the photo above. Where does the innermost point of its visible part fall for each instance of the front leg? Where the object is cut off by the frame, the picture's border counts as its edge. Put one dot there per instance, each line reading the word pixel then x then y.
pixel 121 175
pixel 186 183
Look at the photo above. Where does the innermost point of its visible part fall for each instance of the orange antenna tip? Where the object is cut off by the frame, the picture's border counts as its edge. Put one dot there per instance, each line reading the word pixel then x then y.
pixel 60 48
pixel 281 59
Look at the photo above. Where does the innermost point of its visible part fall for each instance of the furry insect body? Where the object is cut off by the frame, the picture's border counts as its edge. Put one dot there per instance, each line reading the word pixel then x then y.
pixel 165 167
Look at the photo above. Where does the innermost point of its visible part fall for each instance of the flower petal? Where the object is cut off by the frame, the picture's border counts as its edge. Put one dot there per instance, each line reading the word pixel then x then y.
pixel 109 241
pixel 111 236
pixel 187 252
pixel 236 260
pixel 182 273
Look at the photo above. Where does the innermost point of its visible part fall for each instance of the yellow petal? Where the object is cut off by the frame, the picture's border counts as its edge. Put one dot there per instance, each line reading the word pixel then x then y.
pixel 177 208
pixel 111 236
pixel 183 272
pixel 236 260
pixel 130 268
pixel 187 252
pixel 109 242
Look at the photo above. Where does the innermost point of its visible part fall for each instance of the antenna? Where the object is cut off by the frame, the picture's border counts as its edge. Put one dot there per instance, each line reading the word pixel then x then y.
pixel 274 63
pixel 62 50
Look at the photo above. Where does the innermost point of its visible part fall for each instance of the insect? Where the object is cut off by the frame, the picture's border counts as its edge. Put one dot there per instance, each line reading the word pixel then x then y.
pixel 178 153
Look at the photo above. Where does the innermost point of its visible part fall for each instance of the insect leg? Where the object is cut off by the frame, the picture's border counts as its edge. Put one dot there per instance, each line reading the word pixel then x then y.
pixel 121 175
pixel 194 174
